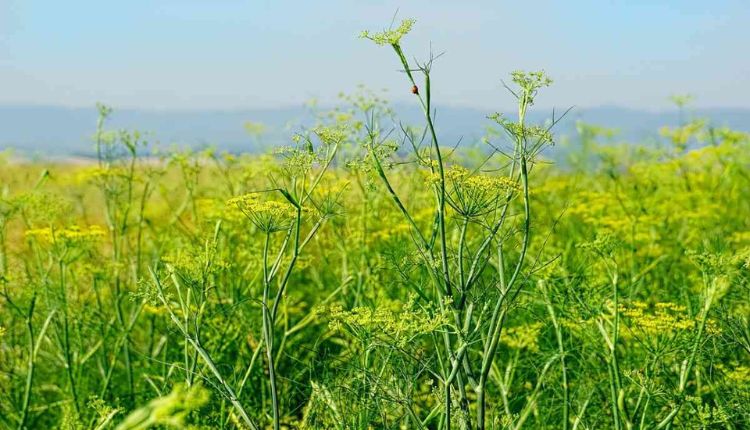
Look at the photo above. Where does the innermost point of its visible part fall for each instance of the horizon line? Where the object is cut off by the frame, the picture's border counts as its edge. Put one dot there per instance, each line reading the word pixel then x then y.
pixel 398 104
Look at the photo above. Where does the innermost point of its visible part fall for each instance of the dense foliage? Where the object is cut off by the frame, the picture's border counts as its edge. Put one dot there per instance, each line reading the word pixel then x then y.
pixel 370 276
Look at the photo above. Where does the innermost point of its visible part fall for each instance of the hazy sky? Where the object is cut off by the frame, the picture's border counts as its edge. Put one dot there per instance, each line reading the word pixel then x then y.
pixel 230 53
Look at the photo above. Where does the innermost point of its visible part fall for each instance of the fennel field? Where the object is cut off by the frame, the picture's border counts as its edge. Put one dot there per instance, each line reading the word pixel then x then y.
pixel 370 276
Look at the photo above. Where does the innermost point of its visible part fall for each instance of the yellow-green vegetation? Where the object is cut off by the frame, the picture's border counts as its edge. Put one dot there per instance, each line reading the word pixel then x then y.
pixel 370 276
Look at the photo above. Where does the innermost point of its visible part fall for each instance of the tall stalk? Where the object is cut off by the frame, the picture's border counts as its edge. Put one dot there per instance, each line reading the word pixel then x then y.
pixel 66 344
pixel 457 368
pixel 498 316
pixel 268 335
pixel 561 350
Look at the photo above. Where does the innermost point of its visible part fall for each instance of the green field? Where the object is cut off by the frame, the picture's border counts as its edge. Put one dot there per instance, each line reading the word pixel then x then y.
pixel 370 276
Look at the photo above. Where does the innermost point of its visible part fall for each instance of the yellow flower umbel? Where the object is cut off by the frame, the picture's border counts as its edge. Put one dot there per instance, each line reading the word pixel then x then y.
pixel 70 235
pixel 739 376
pixel 399 326
pixel 269 216
pixel 212 209
pixel 474 195
pixel 664 319
pixel 390 36
pixel 523 337
pixel 100 175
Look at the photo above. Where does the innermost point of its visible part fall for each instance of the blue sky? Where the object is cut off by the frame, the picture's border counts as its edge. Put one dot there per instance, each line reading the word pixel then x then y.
pixel 225 54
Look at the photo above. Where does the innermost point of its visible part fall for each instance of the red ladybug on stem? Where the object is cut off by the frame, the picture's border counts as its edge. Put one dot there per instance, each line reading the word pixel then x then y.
pixel 414 90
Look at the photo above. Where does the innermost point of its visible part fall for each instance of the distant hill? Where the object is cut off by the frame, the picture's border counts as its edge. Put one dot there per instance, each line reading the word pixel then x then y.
pixel 64 131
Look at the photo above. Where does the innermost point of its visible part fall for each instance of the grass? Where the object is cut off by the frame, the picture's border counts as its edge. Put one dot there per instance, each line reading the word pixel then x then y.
pixel 368 276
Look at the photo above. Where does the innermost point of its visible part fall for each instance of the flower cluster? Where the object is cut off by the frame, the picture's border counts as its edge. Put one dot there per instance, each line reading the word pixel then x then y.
pixel 531 133
pixel 665 318
pixel 739 376
pixel 473 195
pixel 400 326
pixel 268 216
pixel 195 264
pixel 327 197
pixel 523 336
pixel 397 230
pixel 73 234
pixel 681 136
pixel 390 36
pixel 530 81
pixel 100 174
pixel 214 209
pixel 331 135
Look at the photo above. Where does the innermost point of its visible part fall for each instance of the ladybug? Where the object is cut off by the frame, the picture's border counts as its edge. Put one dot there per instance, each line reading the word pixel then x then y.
pixel 414 90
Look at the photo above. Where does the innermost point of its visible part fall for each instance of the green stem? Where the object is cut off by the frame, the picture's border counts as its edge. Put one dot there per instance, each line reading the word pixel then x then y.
pixel 30 372
pixel 561 350
pixel 66 338
pixel 268 335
